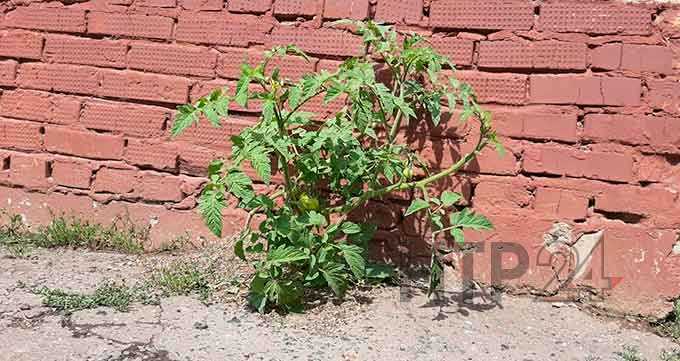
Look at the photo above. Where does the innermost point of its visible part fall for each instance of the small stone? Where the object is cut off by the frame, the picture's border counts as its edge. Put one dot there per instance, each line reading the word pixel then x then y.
pixel 200 325
pixel 24 307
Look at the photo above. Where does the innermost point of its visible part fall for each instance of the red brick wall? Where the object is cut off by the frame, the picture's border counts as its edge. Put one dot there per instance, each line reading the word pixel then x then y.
pixel 585 95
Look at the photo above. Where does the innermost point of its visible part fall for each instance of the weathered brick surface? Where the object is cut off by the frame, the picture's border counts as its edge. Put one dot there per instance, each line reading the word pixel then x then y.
pixel 593 18
pixel 74 50
pixel 142 26
pixel 585 90
pixel 20 44
pixel 220 29
pixel 556 160
pixel 584 95
pixel 472 14
pixel 20 135
pixel 71 174
pixel 54 19
pixel 172 59
pixel 83 144
pixel 341 9
pixel 459 51
pixel 532 55
pixel 496 88
pixel 131 119
pixel 296 7
pixel 318 41
pixel 40 106
pixel 142 86
pixel 8 71
pixel 399 11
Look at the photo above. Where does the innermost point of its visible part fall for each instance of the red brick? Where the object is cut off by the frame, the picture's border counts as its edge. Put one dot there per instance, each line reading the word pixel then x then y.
pixel 71 174
pixel 606 57
pixel 593 18
pixel 152 154
pixel 340 9
pixel 72 50
pixel 585 90
pixel 296 7
pixel 293 67
pixel 29 171
pixel 647 58
pixel 250 6
pixel 558 160
pixel 537 55
pixel 172 59
pixel 399 11
pixel 157 187
pixel 536 123
pixel 221 29
pixel 157 3
pixel 194 159
pixel 664 94
pixel 84 144
pixel 459 51
pixel 621 91
pixel 495 196
pixel 137 85
pixel 646 201
pixel 204 88
pixel 116 181
pixel 130 119
pixel 491 14
pixel 206 134
pixel 318 41
pixel 562 204
pixel 495 87
pixel 20 44
pixel 58 77
pixel 20 135
pixel 50 19
pixel 658 169
pixel 142 26
pixel 662 133
pixel 8 72
pixel 203 5
pixel 328 65
pixel 39 106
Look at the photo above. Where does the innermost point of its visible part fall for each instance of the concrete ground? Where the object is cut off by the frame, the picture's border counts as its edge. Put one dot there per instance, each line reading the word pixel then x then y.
pixel 385 323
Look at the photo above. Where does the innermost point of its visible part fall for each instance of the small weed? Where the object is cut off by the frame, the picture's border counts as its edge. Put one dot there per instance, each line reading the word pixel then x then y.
pixel 183 278
pixel 109 294
pixel 16 237
pixel 629 353
pixel 122 235
pixel 670 326
pixel 672 355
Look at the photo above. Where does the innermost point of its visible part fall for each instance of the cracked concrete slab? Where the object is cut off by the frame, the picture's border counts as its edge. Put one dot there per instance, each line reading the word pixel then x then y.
pixel 398 323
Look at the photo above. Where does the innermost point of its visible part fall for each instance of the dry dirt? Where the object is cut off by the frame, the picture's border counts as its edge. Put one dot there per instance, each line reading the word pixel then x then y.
pixel 383 323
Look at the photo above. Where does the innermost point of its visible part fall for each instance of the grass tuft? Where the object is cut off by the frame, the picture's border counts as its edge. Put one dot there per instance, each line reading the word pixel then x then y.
pixel 184 278
pixel 122 235
pixel 109 294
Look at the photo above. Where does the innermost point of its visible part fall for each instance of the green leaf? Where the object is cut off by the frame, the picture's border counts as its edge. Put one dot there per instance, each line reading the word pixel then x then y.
pixel 187 115
pixel 238 249
pixel 469 219
pixel 458 236
pixel 285 254
pixel 313 218
pixel 436 271
pixel 241 97
pixel 336 277
pixel 261 162
pixel 257 297
pixel 449 198
pixel 350 228
pixel 240 185
pixel 210 206
pixel 416 206
pixel 379 271
pixel 353 255
pixel 215 167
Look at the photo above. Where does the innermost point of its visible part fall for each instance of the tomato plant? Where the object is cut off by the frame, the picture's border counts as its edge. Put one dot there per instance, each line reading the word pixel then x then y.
pixel 333 165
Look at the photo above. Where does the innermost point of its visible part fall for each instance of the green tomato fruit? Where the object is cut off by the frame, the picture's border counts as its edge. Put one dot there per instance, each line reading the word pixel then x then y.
pixel 308 203
pixel 407 173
